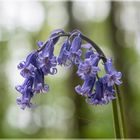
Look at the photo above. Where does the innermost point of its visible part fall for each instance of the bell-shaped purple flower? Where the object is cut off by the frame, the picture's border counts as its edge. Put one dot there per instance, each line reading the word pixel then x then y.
pixel 24 101
pixel 47 60
pixel 64 53
pixel 97 97
pixel 109 66
pixel 109 93
pixel 39 85
pixel 27 93
pixel 75 50
pixel 48 65
pixel 48 50
pixel 112 77
pixel 87 86
pixel 76 44
pixel 89 67
pixel 28 67
pixel 28 71
pixel 103 94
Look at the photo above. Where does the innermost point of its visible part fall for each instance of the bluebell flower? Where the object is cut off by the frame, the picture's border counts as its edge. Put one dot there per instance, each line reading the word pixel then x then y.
pixel 28 67
pixel 96 89
pixel 76 44
pixel 46 59
pixel 63 58
pixel 31 86
pixel 75 50
pixel 48 50
pixel 27 93
pixel 112 76
pixel 89 66
pixel 24 101
pixel 97 97
pixel 109 66
pixel 87 86
pixel 39 85
pixel 109 93
pixel 102 95
pixel 48 65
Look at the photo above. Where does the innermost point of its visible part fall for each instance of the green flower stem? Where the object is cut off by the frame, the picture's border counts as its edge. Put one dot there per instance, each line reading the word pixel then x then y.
pixel 116 119
pixel 121 112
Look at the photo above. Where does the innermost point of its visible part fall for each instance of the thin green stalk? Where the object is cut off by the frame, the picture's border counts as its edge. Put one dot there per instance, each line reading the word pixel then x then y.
pixel 116 119
pixel 121 112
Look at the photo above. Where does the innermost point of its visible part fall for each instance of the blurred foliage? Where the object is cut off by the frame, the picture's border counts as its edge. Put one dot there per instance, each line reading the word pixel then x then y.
pixel 62 113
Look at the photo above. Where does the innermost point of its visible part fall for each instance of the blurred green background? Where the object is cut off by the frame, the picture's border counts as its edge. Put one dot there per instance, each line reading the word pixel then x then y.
pixel 114 26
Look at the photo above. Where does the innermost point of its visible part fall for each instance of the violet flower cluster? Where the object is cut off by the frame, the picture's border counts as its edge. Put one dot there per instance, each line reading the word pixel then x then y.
pixel 42 62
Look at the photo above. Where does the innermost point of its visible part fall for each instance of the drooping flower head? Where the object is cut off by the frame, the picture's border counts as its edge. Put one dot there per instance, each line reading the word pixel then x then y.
pixel 96 89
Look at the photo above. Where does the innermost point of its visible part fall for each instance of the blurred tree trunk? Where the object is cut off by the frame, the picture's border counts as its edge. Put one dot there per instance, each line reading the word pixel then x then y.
pixel 122 64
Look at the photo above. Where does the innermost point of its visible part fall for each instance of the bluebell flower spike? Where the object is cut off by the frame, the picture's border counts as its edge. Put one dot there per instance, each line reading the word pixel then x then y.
pixel 97 90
